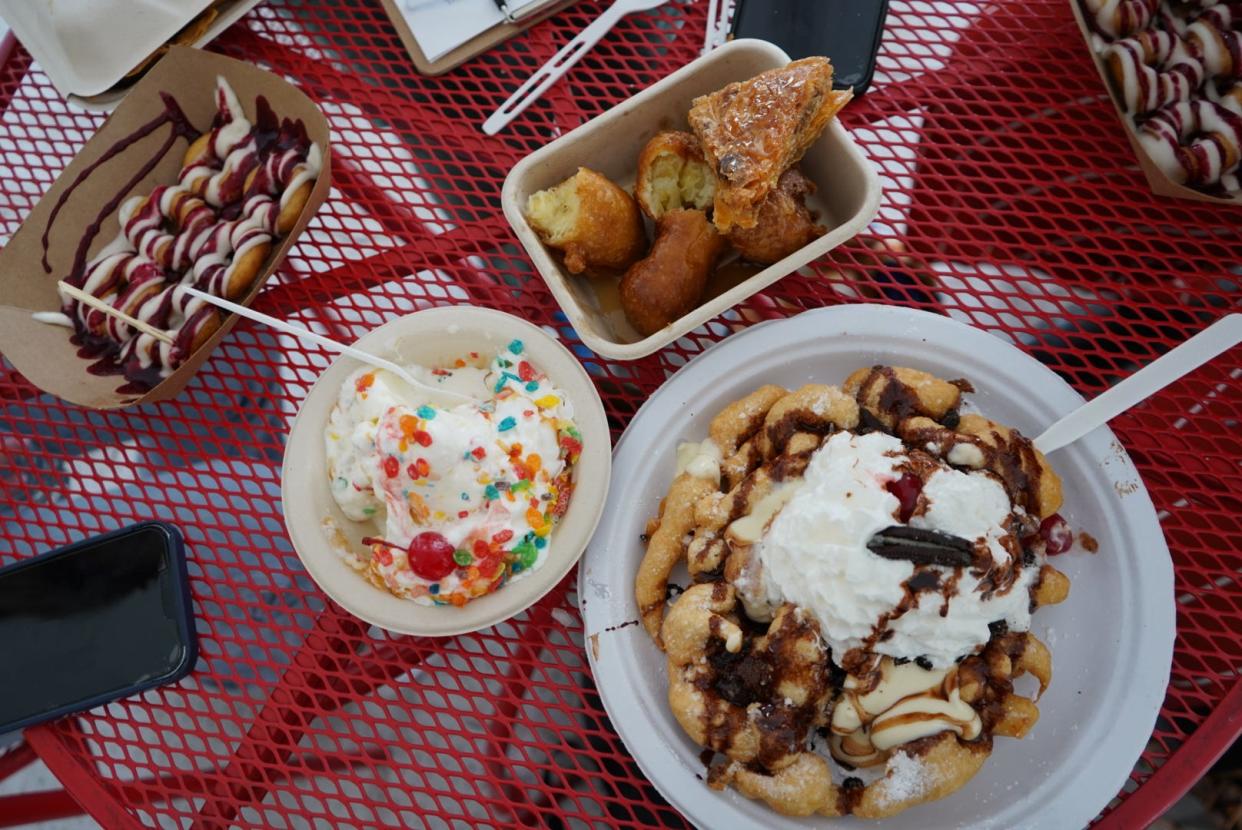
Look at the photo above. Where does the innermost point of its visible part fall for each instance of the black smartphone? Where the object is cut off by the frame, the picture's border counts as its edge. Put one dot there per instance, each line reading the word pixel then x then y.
pixel 92 622
pixel 846 31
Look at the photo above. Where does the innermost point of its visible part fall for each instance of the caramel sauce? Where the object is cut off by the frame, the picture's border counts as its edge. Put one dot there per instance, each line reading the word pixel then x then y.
pixel 727 277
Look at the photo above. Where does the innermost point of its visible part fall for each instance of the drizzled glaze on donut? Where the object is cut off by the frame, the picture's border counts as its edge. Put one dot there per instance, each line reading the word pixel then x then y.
pixel 212 230
pixel 1178 73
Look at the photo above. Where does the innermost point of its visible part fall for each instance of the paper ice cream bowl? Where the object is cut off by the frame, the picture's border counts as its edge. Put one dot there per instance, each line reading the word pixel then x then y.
pixel 325 538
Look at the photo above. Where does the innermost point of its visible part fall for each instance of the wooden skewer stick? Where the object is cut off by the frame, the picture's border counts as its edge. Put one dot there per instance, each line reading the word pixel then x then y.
pixel 94 302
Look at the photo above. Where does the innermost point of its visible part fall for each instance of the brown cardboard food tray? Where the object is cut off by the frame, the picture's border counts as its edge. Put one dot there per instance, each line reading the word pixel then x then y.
pixel 1160 184
pixel 42 352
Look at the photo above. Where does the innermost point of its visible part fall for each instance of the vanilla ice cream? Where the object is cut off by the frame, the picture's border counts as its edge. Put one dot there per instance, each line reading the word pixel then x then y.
pixel 484 482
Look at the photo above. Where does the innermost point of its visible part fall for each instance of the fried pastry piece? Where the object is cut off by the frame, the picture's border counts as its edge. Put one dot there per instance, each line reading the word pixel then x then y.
pixel 784 224
pixel 666 548
pixel 982 444
pixel 672 174
pixel 669 281
pixel 893 393
pixel 942 763
pixel 593 221
pixel 752 132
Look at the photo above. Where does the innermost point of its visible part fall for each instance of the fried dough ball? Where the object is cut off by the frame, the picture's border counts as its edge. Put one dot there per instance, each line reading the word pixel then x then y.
pixel 593 221
pixel 945 764
pixel 669 282
pixel 1045 496
pixel 785 224
pixel 672 175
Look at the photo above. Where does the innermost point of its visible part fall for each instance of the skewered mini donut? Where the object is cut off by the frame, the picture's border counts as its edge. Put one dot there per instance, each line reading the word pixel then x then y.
pixel 1119 18
pixel 1179 77
pixel 240 186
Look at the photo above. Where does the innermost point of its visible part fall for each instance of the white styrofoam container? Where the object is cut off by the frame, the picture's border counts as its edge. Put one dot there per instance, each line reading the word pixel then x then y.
pixel 848 197
pixel 87 46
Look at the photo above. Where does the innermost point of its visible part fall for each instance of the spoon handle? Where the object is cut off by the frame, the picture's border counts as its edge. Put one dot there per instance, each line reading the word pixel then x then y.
pixel 326 342
pixel 1222 335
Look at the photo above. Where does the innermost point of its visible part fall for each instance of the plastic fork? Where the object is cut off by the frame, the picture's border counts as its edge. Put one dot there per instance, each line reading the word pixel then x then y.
pixel 715 33
pixel 328 343
pixel 1222 335
pixel 562 62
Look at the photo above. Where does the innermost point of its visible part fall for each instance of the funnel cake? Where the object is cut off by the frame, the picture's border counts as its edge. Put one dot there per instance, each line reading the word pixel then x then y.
pixel 865 560
pixel 752 132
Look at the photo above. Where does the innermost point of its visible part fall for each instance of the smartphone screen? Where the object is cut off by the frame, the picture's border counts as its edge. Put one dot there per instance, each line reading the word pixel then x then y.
pixel 846 31
pixel 97 620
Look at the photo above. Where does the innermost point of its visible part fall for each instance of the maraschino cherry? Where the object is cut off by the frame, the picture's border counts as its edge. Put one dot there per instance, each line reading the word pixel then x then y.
pixel 1058 538
pixel 429 553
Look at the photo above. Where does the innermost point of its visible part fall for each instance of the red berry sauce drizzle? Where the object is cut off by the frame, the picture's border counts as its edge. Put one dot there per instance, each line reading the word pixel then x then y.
pixel 906 489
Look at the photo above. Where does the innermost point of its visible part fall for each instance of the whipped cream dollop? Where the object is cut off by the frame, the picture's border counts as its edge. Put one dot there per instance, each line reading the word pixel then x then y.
pixel 488 479
pixel 814 554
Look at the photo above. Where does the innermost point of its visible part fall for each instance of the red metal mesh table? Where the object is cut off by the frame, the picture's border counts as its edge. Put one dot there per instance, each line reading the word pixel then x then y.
pixel 1012 202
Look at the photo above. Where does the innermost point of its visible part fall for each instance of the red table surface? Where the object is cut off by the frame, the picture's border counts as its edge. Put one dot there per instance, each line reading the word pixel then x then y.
pixel 1012 199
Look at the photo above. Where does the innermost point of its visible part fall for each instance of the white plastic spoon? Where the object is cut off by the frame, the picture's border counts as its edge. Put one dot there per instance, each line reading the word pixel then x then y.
pixel 327 342
pixel 562 61
pixel 1224 334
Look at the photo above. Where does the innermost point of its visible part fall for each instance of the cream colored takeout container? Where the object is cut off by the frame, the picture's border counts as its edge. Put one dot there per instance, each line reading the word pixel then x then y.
pixel 321 532
pixel 87 47
pixel 42 352
pixel 848 194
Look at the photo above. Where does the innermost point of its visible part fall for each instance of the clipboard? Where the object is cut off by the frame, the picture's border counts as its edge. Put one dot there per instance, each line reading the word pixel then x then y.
pixel 476 45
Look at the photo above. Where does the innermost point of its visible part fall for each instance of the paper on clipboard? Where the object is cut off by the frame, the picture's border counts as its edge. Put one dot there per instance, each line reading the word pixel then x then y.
pixel 440 26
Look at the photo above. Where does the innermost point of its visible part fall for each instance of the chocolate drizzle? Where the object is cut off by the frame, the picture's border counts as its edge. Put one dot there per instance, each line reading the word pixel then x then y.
pixel 896 399
pixel 740 680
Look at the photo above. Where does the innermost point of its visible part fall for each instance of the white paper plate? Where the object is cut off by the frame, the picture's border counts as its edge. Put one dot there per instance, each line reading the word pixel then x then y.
pixel 1111 641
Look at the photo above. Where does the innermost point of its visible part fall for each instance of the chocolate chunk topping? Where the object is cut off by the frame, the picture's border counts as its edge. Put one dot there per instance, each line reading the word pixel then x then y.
pixel 922 547
pixel 951 419
pixel 923 663
pixel 741 680
pixel 923 581
pixel 998 628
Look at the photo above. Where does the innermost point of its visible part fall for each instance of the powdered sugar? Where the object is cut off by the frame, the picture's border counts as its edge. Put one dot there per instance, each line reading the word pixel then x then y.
pixel 906 778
